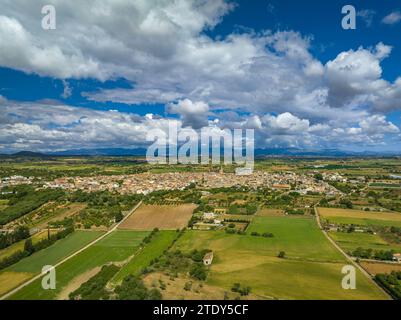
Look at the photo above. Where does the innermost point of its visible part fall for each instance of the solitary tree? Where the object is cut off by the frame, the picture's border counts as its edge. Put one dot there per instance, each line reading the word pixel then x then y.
pixel 28 246
pixel 281 254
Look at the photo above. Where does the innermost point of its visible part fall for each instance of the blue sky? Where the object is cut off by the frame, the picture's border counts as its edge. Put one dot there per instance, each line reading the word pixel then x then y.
pixel 284 68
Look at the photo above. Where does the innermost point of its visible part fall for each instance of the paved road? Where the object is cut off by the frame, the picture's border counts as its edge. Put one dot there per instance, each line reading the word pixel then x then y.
pixel 349 258
pixel 7 295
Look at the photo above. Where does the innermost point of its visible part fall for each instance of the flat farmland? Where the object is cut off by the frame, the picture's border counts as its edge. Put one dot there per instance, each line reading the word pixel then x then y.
pixel 28 267
pixel 56 252
pixel 10 280
pixel 311 268
pixel 299 237
pixel 163 217
pixel 349 216
pixel 160 242
pixel 351 241
pixel 267 212
pixel 376 267
pixel 116 247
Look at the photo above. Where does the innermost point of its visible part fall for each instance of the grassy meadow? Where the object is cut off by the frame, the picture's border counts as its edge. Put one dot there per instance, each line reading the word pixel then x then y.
pixel 351 241
pixel 311 268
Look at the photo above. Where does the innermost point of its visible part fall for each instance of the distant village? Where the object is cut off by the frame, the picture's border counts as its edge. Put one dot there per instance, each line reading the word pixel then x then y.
pixel 144 183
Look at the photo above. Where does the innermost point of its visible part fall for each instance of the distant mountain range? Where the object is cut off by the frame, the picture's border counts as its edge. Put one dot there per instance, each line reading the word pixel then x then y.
pixel 25 154
pixel 258 153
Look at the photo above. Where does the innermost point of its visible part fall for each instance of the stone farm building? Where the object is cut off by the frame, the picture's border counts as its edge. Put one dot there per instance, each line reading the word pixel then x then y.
pixel 208 258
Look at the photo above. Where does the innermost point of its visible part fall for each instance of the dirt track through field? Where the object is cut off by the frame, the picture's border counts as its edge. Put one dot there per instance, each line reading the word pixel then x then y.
pixel 77 282
pixel 364 272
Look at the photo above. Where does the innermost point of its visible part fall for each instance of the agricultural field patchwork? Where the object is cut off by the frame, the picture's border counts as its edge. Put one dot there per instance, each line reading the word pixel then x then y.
pixel 311 268
pixel 116 247
pixel 265 241
pixel 32 265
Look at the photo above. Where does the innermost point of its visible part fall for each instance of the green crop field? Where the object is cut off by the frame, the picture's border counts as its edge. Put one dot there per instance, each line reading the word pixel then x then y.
pixel 28 267
pixel 116 247
pixel 161 241
pixel 299 237
pixel 56 252
pixel 3 204
pixel 351 241
pixel 311 269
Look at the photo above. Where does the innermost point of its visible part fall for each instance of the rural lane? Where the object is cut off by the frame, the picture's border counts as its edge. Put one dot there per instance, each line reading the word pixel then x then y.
pixel 346 255
pixel 10 293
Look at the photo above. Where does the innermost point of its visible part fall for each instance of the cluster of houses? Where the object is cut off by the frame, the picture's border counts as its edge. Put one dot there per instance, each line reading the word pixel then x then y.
pixel 15 180
pixel 144 183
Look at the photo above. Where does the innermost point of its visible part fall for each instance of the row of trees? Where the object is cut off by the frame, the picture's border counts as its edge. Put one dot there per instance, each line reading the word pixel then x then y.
pixel 95 287
pixel 265 234
pixel 20 233
pixel 30 247
pixel 373 254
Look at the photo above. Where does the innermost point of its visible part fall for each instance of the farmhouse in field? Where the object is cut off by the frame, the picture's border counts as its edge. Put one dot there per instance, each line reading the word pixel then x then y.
pixel 397 257
pixel 208 258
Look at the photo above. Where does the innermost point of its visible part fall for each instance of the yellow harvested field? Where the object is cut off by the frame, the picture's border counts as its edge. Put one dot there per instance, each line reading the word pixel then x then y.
pixel 349 213
pixel 270 212
pixel 10 280
pixel 373 267
pixel 163 217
